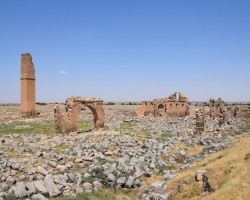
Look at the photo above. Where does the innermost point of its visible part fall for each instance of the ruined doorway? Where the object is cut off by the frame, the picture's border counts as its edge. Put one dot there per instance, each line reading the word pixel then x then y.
pixel 161 110
pixel 85 120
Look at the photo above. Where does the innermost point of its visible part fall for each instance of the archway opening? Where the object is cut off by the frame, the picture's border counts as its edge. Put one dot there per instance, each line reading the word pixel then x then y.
pixel 85 120
pixel 161 110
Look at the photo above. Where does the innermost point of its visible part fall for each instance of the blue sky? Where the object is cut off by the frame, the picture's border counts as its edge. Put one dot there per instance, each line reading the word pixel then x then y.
pixel 127 50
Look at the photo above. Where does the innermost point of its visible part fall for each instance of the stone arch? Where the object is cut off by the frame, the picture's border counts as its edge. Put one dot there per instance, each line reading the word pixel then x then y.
pixel 73 106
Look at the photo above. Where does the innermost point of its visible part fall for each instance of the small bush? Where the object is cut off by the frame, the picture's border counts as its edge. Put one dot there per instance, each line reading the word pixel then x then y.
pixel 222 183
pixel 228 170
pixel 247 156
pixel 192 193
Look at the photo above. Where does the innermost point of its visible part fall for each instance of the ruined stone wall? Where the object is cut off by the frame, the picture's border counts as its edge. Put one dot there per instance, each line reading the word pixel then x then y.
pixel 242 111
pixel 177 108
pixel 218 108
pixel 147 107
pixel 28 98
pixel 172 106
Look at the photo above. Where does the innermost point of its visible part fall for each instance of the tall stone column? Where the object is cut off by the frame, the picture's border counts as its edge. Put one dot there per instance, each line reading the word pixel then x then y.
pixel 28 96
pixel 57 119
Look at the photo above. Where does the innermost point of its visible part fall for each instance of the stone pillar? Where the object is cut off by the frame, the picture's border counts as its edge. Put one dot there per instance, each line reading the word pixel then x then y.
pixel 200 121
pixel 70 118
pixel 57 119
pixel 221 119
pixel 28 97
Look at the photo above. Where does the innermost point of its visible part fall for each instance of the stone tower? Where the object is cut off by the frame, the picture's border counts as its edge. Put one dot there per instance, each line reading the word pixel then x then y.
pixel 28 96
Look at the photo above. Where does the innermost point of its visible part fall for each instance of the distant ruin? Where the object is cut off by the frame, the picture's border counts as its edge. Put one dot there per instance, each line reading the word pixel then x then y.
pixel 176 105
pixel 28 97
pixel 74 105
pixel 218 108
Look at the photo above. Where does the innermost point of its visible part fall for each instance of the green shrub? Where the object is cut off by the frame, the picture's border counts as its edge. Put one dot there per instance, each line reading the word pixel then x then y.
pixel 247 156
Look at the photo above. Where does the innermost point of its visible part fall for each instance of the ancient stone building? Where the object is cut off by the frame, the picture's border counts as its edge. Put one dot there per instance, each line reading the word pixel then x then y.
pixel 28 96
pixel 200 121
pixel 176 105
pixel 74 105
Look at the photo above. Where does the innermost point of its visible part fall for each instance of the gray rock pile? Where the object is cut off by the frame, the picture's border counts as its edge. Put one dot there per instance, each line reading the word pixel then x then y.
pixel 42 166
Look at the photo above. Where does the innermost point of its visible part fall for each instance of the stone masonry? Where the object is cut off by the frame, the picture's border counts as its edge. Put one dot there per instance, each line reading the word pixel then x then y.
pixel 176 105
pixel 219 108
pixel 199 121
pixel 28 97
pixel 57 119
pixel 73 107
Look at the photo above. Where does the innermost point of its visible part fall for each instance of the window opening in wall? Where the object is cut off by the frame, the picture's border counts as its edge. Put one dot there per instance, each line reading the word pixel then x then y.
pixel 161 110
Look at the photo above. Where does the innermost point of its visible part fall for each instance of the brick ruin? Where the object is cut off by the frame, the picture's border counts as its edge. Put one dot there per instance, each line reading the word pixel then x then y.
pixel 74 105
pixel 176 105
pixel 218 108
pixel 200 121
pixel 28 97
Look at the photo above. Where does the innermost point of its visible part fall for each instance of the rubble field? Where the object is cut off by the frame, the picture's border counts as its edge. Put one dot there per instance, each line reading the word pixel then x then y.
pixel 130 158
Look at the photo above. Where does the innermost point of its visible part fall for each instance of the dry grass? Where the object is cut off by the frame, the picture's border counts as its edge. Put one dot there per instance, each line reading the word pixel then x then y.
pixel 228 173
pixel 149 181
pixel 190 150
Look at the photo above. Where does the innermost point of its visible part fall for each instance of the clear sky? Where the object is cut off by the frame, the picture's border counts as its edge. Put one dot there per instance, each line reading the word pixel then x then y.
pixel 127 50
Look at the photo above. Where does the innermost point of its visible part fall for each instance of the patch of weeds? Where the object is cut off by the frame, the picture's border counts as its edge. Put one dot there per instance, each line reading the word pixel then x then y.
pixel 125 191
pixel 85 126
pixel 126 125
pixel 11 197
pixel 6 189
pixel 228 170
pixel 165 136
pixel 222 183
pixel 88 180
pixel 164 168
pixel 125 174
pixel 99 173
pixel 144 132
pixel 191 193
pixel 43 128
pixel 102 161
pixel 104 194
pixel 187 180
pixel 247 156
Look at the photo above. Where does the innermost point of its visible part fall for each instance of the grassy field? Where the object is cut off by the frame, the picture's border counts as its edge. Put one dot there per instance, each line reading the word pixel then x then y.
pixel 228 173
pixel 27 128
pixel 40 128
